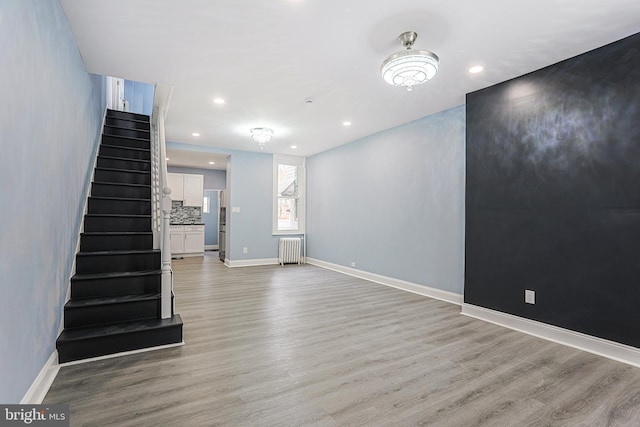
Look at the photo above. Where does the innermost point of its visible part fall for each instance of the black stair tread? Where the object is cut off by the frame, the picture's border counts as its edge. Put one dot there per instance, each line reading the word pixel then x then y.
pixel 120 127
pixel 115 275
pixel 128 115
pixel 122 170
pixel 126 137
pixel 94 301
pixel 121 147
pixel 117 233
pixel 119 198
pixel 118 215
pixel 119 252
pixel 122 184
pixel 128 119
pixel 124 158
pixel 77 334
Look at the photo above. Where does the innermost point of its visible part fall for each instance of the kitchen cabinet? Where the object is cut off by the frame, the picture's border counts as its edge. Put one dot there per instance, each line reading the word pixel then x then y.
pixel 187 240
pixel 177 239
pixel 193 190
pixel 194 238
pixel 186 187
pixel 175 182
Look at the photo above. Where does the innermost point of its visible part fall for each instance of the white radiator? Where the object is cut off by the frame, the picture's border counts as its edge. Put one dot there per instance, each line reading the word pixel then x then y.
pixel 289 250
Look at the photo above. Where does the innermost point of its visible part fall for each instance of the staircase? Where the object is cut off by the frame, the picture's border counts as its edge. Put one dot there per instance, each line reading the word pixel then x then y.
pixel 115 293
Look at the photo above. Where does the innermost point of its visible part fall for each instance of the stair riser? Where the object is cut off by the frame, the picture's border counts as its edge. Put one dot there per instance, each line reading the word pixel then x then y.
pixel 117 263
pixel 123 164
pixel 99 189
pixel 91 243
pixel 116 224
pixel 108 287
pixel 127 116
pixel 111 313
pixel 125 207
pixel 131 133
pixel 125 142
pixel 124 177
pixel 69 351
pixel 127 153
pixel 127 124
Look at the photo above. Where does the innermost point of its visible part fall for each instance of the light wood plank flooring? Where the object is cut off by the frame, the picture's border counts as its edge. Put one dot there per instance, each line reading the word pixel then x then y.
pixel 300 345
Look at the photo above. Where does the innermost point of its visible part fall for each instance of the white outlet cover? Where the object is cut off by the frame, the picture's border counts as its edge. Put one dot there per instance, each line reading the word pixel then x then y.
pixel 235 209
pixel 529 296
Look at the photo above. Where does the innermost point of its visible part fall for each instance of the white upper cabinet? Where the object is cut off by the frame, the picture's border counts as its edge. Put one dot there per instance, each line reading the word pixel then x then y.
pixel 175 183
pixel 186 187
pixel 193 190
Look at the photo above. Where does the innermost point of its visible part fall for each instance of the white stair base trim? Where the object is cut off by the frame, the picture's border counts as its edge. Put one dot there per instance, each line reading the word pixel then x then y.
pixel 447 296
pixel 40 386
pixel 605 348
pixel 123 353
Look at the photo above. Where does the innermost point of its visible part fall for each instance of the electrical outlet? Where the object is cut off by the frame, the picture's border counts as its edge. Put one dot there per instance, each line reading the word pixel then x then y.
pixel 529 296
pixel 353 264
pixel 245 250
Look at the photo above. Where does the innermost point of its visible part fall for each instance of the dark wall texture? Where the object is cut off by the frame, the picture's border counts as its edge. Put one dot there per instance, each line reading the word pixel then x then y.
pixel 553 194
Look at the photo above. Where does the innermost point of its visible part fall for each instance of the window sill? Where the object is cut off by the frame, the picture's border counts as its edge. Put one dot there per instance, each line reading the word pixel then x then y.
pixel 287 232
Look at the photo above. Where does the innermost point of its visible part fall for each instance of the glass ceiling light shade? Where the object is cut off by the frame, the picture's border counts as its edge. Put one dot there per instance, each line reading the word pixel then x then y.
pixel 261 136
pixel 409 67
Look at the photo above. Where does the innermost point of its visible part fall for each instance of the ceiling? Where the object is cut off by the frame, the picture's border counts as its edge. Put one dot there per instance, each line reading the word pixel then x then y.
pixel 265 58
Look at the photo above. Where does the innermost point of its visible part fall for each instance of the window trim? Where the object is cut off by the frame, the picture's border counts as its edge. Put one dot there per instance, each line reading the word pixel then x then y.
pixel 300 162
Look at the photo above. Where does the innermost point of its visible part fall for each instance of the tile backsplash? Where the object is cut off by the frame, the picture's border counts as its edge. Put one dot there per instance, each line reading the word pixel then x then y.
pixel 185 214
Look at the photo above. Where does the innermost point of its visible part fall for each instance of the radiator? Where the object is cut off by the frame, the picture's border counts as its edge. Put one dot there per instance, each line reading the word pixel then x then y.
pixel 289 250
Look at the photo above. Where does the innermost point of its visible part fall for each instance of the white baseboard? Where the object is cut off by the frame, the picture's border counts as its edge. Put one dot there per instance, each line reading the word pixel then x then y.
pixel 211 247
pixel 250 262
pixel 426 291
pixel 40 386
pixel 609 349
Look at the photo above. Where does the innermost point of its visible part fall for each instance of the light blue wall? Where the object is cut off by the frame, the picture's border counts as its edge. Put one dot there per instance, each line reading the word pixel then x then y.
pixel 249 181
pixel 393 202
pixel 50 118
pixel 140 97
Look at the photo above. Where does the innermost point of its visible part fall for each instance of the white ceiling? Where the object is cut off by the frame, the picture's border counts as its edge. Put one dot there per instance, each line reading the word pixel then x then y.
pixel 265 57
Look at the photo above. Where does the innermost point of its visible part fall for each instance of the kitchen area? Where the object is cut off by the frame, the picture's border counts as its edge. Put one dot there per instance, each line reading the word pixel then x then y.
pixel 198 185
pixel 187 226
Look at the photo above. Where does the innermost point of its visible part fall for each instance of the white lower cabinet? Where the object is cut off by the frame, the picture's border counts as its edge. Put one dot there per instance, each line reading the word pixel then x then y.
pixel 177 239
pixel 187 240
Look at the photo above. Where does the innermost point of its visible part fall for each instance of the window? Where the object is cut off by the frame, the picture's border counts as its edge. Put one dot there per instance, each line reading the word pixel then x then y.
pixel 288 195
pixel 205 204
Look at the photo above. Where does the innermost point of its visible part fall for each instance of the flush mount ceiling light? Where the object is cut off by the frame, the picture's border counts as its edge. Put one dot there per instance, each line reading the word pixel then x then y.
pixel 409 67
pixel 261 136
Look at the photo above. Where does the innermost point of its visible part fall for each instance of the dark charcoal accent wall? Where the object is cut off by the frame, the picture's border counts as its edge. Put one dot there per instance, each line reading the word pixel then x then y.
pixel 553 194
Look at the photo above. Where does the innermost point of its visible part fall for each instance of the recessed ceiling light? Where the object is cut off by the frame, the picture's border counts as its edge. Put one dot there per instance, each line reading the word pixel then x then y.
pixel 476 69
pixel 347 123
pixel 218 100
pixel 212 163
pixel 167 159
pixel 294 147
pixel 195 134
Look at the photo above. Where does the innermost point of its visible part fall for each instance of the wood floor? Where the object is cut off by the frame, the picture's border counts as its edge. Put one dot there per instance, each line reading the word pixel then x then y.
pixel 300 345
